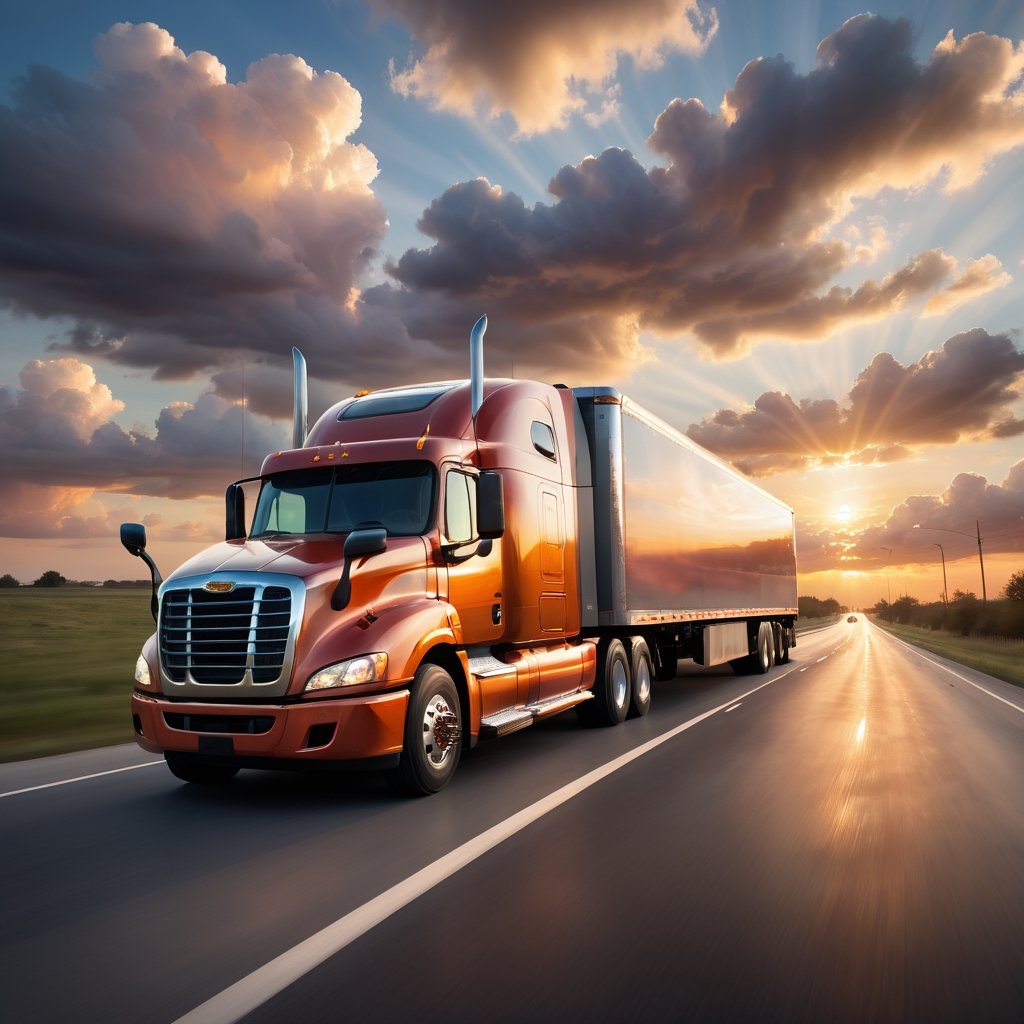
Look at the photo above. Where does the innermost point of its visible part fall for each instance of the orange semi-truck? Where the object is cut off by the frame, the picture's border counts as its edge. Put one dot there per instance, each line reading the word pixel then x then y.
pixel 437 564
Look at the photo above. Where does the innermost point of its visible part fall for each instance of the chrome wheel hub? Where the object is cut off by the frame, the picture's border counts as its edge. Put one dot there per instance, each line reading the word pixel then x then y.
pixel 440 729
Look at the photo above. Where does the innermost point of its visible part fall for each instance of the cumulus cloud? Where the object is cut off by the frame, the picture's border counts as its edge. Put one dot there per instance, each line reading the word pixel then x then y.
pixel 175 214
pixel 952 518
pixel 537 61
pixel 185 222
pixel 968 505
pixel 961 392
pixel 61 446
pixel 732 241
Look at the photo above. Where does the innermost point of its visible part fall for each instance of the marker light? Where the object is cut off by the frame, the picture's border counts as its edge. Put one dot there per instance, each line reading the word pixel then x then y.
pixel 369 668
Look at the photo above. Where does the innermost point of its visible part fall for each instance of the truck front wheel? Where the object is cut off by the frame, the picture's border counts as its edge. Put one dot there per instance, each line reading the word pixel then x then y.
pixel 433 734
pixel 185 768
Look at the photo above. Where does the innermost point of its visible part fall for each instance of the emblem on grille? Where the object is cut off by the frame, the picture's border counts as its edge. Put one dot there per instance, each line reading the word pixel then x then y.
pixel 219 587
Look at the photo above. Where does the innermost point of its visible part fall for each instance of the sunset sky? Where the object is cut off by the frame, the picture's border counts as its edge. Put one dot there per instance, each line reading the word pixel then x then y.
pixel 793 230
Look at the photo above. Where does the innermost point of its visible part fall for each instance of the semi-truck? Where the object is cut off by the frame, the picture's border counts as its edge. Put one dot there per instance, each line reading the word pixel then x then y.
pixel 436 564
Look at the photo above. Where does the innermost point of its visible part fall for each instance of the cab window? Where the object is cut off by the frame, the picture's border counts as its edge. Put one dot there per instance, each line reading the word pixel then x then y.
pixel 459 508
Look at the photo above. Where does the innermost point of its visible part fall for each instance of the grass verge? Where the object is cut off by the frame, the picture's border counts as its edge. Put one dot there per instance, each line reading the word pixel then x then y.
pixel 67 659
pixel 1003 659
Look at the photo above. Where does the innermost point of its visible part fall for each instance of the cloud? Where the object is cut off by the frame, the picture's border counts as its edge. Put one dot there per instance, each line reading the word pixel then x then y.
pixel 61 446
pixel 968 505
pixel 731 242
pixel 537 61
pixel 962 392
pixel 951 518
pixel 186 223
pixel 176 215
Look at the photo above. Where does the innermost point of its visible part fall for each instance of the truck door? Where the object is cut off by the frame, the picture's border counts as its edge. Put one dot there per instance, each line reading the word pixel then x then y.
pixel 474 582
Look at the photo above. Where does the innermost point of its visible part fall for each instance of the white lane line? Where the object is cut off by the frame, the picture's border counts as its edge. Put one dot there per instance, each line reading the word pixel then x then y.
pixel 938 664
pixel 80 778
pixel 820 660
pixel 733 708
pixel 252 991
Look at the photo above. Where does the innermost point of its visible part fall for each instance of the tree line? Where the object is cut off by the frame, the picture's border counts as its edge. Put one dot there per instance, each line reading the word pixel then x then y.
pixel 52 578
pixel 964 613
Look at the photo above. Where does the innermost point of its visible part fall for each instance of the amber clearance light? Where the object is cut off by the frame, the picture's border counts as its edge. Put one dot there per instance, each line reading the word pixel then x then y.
pixel 219 587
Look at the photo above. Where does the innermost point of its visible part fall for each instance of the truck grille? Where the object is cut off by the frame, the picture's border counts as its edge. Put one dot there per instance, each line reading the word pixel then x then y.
pixel 214 638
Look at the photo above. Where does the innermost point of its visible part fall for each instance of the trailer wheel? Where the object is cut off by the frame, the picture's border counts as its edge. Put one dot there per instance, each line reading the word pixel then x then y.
pixel 763 657
pixel 640 673
pixel 433 734
pixel 184 768
pixel 781 645
pixel 611 688
pixel 765 648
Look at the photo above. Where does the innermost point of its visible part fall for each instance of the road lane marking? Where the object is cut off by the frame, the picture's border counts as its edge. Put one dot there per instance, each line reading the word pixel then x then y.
pixel 733 708
pixel 820 660
pixel 938 664
pixel 265 982
pixel 79 778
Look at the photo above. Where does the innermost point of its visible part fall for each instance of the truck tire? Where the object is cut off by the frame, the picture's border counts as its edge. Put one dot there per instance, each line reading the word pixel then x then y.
pixel 433 734
pixel 781 645
pixel 611 688
pixel 640 672
pixel 763 658
pixel 185 768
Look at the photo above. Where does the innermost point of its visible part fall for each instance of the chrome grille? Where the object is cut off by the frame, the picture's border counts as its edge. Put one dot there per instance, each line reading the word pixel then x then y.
pixel 214 638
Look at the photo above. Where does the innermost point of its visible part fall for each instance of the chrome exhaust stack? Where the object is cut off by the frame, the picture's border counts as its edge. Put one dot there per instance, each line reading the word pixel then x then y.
pixel 300 400
pixel 476 365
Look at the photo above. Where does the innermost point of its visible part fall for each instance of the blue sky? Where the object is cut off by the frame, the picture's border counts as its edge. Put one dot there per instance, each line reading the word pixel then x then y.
pixel 815 268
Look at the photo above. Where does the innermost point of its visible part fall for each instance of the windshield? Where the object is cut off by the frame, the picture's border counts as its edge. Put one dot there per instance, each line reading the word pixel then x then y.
pixel 396 495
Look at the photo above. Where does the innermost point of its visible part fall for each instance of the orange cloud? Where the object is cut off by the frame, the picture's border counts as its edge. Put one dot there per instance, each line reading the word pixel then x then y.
pixel 537 61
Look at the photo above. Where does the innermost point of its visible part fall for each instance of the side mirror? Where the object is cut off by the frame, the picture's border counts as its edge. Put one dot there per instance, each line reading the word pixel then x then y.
pixel 365 542
pixel 357 544
pixel 133 537
pixel 234 513
pixel 490 505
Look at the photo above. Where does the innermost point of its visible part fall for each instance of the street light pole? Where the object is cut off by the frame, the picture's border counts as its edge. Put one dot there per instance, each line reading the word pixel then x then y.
pixel 973 536
pixel 942 553
pixel 984 595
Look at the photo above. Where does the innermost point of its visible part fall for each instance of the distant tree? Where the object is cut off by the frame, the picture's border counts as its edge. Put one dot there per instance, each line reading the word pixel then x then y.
pixel 815 608
pixel 1014 589
pixel 964 610
pixel 903 608
pixel 50 578
pixel 7 580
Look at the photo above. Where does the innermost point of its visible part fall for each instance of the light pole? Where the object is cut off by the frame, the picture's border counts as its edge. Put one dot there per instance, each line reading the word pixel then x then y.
pixel 981 559
pixel 945 601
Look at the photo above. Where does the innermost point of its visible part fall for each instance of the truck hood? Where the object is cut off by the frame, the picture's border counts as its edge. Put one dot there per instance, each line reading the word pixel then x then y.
pixel 296 556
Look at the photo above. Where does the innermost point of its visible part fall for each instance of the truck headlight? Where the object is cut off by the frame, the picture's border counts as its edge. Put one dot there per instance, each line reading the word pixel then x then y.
pixel 368 668
pixel 142 672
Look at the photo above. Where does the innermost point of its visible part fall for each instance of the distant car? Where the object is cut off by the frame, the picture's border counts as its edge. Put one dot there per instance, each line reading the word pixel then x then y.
pixel 851 618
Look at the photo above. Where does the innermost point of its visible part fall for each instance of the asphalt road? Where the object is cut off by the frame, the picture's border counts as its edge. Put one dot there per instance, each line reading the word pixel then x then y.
pixel 841 840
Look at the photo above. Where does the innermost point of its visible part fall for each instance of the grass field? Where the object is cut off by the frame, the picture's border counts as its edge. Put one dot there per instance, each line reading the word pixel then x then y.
pixel 67 661
pixel 1003 659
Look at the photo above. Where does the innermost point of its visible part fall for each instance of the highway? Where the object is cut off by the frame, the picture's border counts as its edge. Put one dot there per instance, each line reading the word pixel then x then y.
pixel 840 840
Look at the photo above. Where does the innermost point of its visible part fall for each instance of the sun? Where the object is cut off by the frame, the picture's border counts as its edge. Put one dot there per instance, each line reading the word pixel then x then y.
pixel 843 514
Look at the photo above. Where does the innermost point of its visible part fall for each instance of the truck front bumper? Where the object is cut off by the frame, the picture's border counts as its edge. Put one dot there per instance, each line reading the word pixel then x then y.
pixel 348 729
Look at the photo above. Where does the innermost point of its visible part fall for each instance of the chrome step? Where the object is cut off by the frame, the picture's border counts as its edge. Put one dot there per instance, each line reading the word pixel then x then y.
pixel 504 722
pixel 487 665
